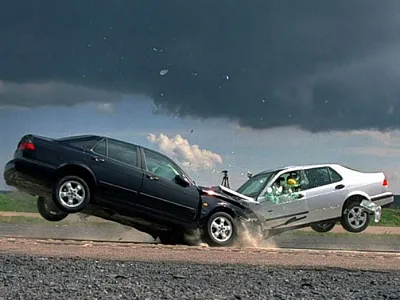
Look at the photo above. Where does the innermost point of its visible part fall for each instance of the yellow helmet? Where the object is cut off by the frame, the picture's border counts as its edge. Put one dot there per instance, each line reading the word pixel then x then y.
pixel 292 181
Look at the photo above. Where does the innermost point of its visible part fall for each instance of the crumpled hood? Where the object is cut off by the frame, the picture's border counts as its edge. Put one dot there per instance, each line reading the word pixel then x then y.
pixel 230 194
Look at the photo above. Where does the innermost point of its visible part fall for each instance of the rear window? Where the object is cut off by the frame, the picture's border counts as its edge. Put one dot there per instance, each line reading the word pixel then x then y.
pixel 80 142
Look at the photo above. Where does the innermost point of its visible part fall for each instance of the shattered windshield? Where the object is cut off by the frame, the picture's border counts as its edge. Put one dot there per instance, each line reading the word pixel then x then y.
pixel 254 186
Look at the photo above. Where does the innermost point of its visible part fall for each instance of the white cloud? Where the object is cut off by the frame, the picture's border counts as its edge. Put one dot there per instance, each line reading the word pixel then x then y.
pixel 188 156
pixel 385 137
pixel 108 108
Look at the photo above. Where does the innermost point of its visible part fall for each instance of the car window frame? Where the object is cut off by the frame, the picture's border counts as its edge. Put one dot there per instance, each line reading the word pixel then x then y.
pixel 174 164
pixel 265 174
pixel 319 186
pixel 107 141
pixel 330 175
pixel 71 141
pixel 275 178
pixel 98 143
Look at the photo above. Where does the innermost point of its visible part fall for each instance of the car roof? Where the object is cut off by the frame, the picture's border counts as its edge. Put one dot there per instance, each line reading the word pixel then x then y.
pixel 132 143
pixel 293 167
pixel 82 136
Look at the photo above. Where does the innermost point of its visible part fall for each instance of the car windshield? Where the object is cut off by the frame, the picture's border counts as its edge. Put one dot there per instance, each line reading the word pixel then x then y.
pixel 254 186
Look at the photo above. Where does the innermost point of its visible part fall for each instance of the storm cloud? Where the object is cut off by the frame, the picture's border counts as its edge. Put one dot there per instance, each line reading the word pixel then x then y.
pixel 320 65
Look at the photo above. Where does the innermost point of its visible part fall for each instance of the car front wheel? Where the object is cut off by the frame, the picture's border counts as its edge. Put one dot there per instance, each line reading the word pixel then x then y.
pixel 355 219
pixel 49 211
pixel 323 226
pixel 220 230
pixel 71 194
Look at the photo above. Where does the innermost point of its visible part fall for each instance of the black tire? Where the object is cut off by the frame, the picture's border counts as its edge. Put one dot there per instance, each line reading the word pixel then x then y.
pixel 323 226
pixel 210 237
pixel 348 213
pixel 49 211
pixel 83 192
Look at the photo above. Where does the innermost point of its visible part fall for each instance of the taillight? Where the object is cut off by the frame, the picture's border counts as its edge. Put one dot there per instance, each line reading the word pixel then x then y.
pixel 385 182
pixel 27 146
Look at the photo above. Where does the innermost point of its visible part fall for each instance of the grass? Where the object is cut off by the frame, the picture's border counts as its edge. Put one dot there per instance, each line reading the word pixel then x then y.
pixel 17 202
pixel 21 202
pixel 390 218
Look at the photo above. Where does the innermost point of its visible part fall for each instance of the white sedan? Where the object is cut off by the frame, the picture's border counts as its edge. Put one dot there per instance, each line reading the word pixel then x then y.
pixel 315 195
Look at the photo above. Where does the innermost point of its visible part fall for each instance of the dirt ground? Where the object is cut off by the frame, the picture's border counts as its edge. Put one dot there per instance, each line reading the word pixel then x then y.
pixel 248 256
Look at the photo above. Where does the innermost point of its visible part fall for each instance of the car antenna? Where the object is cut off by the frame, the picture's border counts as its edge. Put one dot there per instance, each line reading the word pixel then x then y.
pixel 225 179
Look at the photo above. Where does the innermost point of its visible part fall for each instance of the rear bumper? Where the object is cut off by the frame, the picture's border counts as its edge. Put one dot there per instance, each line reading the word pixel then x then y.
pixel 31 177
pixel 384 200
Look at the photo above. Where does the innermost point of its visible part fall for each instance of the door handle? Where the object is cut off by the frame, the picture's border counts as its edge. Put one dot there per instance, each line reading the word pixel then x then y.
pixel 339 187
pixel 151 177
pixel 98 159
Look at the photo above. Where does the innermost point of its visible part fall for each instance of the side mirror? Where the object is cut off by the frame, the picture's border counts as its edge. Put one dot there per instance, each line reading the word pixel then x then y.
pixel 249 174
pixel 181 180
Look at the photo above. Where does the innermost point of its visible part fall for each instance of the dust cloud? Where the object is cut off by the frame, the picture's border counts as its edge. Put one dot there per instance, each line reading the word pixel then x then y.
pixel 248 239
pixel 76 226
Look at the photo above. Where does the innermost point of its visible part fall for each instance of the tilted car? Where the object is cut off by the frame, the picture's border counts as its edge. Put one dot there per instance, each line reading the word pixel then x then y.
pixel 144 189
pixel 125 183
pixel 320 196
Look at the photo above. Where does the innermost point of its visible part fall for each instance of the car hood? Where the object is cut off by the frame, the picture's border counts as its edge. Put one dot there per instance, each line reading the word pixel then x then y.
pixel 229 195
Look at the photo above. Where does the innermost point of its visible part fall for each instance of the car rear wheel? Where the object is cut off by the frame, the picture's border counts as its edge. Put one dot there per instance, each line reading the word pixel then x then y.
pixel 71 194
pixel 49 211
pixel 221 230
pixel 355 218
pixel 323 226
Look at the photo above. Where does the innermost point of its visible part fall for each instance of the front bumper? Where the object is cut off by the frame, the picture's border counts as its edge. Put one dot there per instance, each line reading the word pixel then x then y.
pixel 372 208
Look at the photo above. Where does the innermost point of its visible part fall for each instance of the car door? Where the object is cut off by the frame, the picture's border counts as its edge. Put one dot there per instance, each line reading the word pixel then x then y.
pixel 285 208
pixel 325 191
pixel 116 167
pixel 160 191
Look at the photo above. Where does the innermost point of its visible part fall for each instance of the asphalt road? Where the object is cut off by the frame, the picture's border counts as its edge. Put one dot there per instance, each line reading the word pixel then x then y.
pixel 121 233
pixel 40 277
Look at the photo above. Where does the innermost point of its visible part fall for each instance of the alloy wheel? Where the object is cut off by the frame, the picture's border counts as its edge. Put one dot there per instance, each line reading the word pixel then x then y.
pixel 71 194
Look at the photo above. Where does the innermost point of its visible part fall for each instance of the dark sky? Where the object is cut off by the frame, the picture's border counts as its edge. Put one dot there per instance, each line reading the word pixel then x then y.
pixel 321 65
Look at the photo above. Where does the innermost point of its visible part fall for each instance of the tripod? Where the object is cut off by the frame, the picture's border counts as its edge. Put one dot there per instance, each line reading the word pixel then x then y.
pixel 225 179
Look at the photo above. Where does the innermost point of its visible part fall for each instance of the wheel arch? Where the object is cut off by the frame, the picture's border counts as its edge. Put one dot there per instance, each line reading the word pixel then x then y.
pixel 356 196
pixel 77 169
pixel 223 208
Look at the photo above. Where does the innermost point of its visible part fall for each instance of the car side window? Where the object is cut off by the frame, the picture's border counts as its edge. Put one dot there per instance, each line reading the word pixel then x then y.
pixel 101 148
pixel 122 152
pixel 161 166
pixel 335 176
pixel 317 177
pixel 285 187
